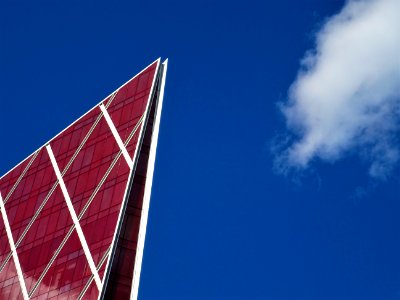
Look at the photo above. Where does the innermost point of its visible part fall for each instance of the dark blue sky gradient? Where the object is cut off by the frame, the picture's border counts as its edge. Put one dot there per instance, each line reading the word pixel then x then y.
pixel 222 224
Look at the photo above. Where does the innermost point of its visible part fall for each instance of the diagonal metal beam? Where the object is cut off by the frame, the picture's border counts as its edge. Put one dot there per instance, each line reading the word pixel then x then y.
pixel 74 218
pixel 81 214
pixel 99 265
pixel 117 136
pixel 22 236
pixel 13 250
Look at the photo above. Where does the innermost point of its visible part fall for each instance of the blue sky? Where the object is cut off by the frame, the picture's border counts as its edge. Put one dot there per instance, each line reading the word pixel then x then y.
pixel 225 222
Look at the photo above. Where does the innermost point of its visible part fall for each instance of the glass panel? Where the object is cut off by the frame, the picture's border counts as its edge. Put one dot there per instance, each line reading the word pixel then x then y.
pixel 10 287
pixel 51 255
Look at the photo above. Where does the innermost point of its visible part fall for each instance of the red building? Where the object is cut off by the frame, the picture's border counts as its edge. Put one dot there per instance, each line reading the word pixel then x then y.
pixel 74 213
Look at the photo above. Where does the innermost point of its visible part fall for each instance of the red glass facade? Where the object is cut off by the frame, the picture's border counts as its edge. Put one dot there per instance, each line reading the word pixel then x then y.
pixel 105 185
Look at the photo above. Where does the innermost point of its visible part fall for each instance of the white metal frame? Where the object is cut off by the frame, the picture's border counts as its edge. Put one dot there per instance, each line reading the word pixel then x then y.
pixel 74 217
pixel 77 120
pixel 38 211
pixel 127 190
pixel 112 165
pixel 132 164
pixel 148 185
pixel 13 250
pixel 99 265
pixel 116 136
pixel 84 209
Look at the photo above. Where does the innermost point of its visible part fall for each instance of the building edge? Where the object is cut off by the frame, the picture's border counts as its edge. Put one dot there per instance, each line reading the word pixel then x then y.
pixel 110 259
pixel 148 185
pixel 77 120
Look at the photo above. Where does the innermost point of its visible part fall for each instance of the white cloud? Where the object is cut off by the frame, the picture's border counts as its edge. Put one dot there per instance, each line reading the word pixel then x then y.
pixel 347 93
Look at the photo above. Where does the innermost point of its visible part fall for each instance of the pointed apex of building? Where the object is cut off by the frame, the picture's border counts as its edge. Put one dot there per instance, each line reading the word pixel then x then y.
pixel 74 213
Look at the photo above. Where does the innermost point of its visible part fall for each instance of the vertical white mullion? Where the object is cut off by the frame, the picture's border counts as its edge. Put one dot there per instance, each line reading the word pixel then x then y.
pixel 131 173
pixel 74 218
pixel 116 136
pixel 147 187
pixel 13 250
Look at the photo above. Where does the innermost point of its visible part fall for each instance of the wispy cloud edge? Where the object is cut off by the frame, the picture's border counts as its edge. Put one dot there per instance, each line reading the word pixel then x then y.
pixel 347 92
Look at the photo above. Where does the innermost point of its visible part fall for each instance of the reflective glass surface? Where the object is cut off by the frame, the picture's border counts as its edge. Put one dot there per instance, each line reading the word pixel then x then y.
pixel 95 174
